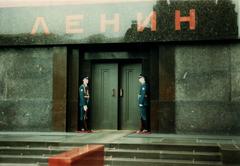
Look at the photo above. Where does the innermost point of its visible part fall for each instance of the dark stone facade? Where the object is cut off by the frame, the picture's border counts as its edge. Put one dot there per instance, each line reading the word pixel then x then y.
pixel 197 89
pixel 207 89
pixel 214 21
pixel 26 89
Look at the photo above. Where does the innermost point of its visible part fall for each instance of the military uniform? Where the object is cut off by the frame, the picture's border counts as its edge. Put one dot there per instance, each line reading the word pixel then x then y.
pixel 83 102
pixel 142 101
pixel 143 105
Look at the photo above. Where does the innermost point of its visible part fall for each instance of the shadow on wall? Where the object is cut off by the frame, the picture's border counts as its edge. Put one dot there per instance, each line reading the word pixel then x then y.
pixel 167 89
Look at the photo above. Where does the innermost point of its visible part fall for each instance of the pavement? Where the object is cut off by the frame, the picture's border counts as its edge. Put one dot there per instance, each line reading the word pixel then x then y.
pixel 120 137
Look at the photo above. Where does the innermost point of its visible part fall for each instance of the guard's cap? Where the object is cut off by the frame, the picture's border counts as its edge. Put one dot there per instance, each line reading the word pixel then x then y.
pixel 85 78
pixel 141 76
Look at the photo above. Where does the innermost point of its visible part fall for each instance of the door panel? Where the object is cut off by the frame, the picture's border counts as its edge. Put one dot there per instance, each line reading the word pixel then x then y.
pixel 129 115
pixel 105 96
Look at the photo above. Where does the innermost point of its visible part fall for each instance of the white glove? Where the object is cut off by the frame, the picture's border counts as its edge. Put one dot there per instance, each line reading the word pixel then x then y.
pixel 140 105
pixel 85 108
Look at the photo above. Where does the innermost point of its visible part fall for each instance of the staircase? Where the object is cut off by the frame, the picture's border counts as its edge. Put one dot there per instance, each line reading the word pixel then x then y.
pixel 37 153
pixel 166 155
pixel 28 153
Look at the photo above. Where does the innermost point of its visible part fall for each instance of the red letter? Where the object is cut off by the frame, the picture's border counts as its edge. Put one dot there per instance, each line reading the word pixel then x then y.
pixel 151 17
pixel 191 19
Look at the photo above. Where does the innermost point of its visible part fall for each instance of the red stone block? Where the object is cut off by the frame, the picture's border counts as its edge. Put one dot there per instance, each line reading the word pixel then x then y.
pixel 89 155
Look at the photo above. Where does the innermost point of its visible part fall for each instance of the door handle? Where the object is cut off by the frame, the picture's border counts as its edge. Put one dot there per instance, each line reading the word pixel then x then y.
pixel 113 92
pixel 121 92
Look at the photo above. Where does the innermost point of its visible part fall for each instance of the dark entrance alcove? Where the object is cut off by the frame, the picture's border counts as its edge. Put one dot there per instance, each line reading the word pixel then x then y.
pixel 157 64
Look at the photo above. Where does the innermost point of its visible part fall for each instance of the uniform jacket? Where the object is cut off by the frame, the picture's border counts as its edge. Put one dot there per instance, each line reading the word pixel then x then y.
pixel 143 96
pixel 83 93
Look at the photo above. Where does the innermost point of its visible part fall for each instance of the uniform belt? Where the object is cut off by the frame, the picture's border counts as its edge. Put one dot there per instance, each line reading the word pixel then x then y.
pixel 144 95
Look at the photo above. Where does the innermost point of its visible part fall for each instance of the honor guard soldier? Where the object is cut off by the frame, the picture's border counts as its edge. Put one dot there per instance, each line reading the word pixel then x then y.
pixel 143 104
pixel 83 103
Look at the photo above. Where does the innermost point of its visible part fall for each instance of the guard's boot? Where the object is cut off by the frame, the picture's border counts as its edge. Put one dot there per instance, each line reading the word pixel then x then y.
pixel 146 129
pixel 141 128
pixel 85 125
pixel 80 126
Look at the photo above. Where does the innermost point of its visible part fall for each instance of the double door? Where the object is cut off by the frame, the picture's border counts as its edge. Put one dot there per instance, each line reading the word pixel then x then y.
pixel 114 96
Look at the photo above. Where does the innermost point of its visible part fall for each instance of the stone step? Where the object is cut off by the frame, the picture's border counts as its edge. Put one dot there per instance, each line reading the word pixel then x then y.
pixel 23 159
pixel 15 164
pixel 169 147
pixel 109 161
pixel 32 150
pixel 156 154
pixel 130 153
pixel 116 154
pixel 24 164
pixel 152 146
pixel 29 143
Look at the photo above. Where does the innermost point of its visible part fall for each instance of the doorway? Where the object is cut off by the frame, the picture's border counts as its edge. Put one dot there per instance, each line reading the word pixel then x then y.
pixel 82 61
pixel 114 96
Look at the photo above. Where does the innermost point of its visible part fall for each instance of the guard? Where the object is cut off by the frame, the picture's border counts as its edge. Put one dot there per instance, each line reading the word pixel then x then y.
pixel 83 103
pixel 143 104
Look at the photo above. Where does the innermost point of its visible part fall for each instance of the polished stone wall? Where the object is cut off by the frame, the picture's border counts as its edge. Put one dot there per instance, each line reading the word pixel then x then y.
pixel 198 84
pixel 207 88
pixel 26 89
